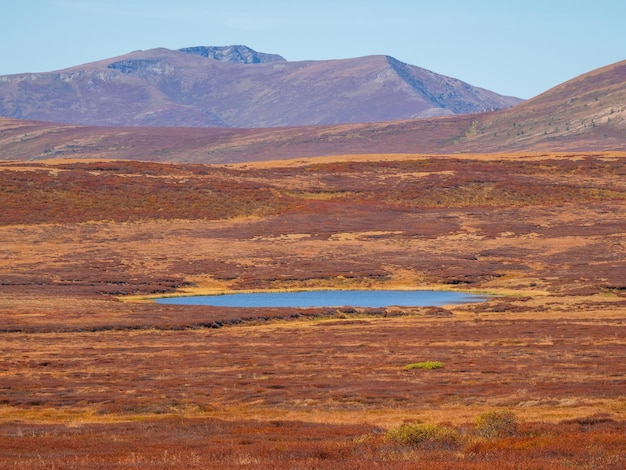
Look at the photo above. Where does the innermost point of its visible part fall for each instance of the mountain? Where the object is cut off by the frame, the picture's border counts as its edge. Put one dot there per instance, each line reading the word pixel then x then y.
pixel 235 86
pixel 585 114
pixel 588 111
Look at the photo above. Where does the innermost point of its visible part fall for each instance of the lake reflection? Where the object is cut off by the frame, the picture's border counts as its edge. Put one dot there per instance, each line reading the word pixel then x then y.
pixel 330 298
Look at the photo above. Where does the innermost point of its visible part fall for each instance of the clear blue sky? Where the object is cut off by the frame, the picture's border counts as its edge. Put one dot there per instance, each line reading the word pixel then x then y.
pixel 519 48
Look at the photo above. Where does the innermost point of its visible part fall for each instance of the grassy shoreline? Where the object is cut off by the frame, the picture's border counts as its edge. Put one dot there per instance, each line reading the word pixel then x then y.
pixel 199 292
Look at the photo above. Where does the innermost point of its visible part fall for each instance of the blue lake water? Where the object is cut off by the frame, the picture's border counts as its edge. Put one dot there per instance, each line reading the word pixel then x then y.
pixel 330 298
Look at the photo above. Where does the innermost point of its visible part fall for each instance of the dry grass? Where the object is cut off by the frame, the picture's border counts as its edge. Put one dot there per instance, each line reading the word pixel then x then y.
pixel 89 381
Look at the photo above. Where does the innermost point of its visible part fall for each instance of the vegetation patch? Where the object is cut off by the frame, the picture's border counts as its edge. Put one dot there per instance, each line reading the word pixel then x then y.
pixel 496 424
pixel 426 436
pixel 424 365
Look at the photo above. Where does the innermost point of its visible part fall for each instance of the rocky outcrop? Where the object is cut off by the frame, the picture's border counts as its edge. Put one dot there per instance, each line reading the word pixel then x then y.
pixel 236 54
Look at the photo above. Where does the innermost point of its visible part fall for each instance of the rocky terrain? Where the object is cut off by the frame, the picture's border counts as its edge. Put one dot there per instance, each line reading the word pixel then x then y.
pixel 236 54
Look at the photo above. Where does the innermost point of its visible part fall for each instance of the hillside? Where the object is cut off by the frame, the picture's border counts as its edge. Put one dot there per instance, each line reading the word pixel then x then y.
pixel 36 140
pixel 238 87
pixel 588 111
pixel 583 114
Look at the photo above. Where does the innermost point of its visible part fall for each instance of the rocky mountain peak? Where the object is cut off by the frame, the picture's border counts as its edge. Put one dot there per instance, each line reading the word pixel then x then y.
pixel 237 54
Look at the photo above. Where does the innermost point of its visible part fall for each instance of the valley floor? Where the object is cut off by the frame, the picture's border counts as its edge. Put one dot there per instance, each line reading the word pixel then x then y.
pixel 95 375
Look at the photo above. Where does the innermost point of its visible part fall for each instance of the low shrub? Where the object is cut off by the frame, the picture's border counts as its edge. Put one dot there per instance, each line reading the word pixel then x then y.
pixel 424 365
pixel 496 424
pixel 425 436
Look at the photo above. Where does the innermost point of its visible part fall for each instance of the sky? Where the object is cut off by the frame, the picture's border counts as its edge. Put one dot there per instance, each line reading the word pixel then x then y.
pixel 518 48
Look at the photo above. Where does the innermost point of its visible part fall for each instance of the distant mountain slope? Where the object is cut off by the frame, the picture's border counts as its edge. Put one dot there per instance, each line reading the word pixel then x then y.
pixel 587 111
pixel 584 114
pixel 235 86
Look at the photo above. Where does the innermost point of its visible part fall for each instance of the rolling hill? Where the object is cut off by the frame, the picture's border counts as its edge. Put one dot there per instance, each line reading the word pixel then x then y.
pixel 588 111
pixel 583 114
pixel 238 87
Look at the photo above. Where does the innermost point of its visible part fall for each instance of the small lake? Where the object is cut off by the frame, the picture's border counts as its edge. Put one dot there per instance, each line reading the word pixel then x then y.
pixel 330 298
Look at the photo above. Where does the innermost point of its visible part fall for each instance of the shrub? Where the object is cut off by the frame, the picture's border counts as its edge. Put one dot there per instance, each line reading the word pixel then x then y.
pixel 424 365
pixel 495 424
pixel 427 436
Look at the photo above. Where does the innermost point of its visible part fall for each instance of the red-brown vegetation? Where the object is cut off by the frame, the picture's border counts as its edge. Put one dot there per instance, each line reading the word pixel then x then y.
pixel 94 377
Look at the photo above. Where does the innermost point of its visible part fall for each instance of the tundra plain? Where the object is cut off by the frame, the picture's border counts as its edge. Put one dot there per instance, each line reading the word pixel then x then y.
pixel 96 375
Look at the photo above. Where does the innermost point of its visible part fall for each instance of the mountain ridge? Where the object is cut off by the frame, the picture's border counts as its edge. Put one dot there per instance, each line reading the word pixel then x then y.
pixel 235 86
pixel 584 114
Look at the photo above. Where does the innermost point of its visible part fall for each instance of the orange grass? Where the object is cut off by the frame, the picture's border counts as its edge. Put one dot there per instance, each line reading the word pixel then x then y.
pixel 89 381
